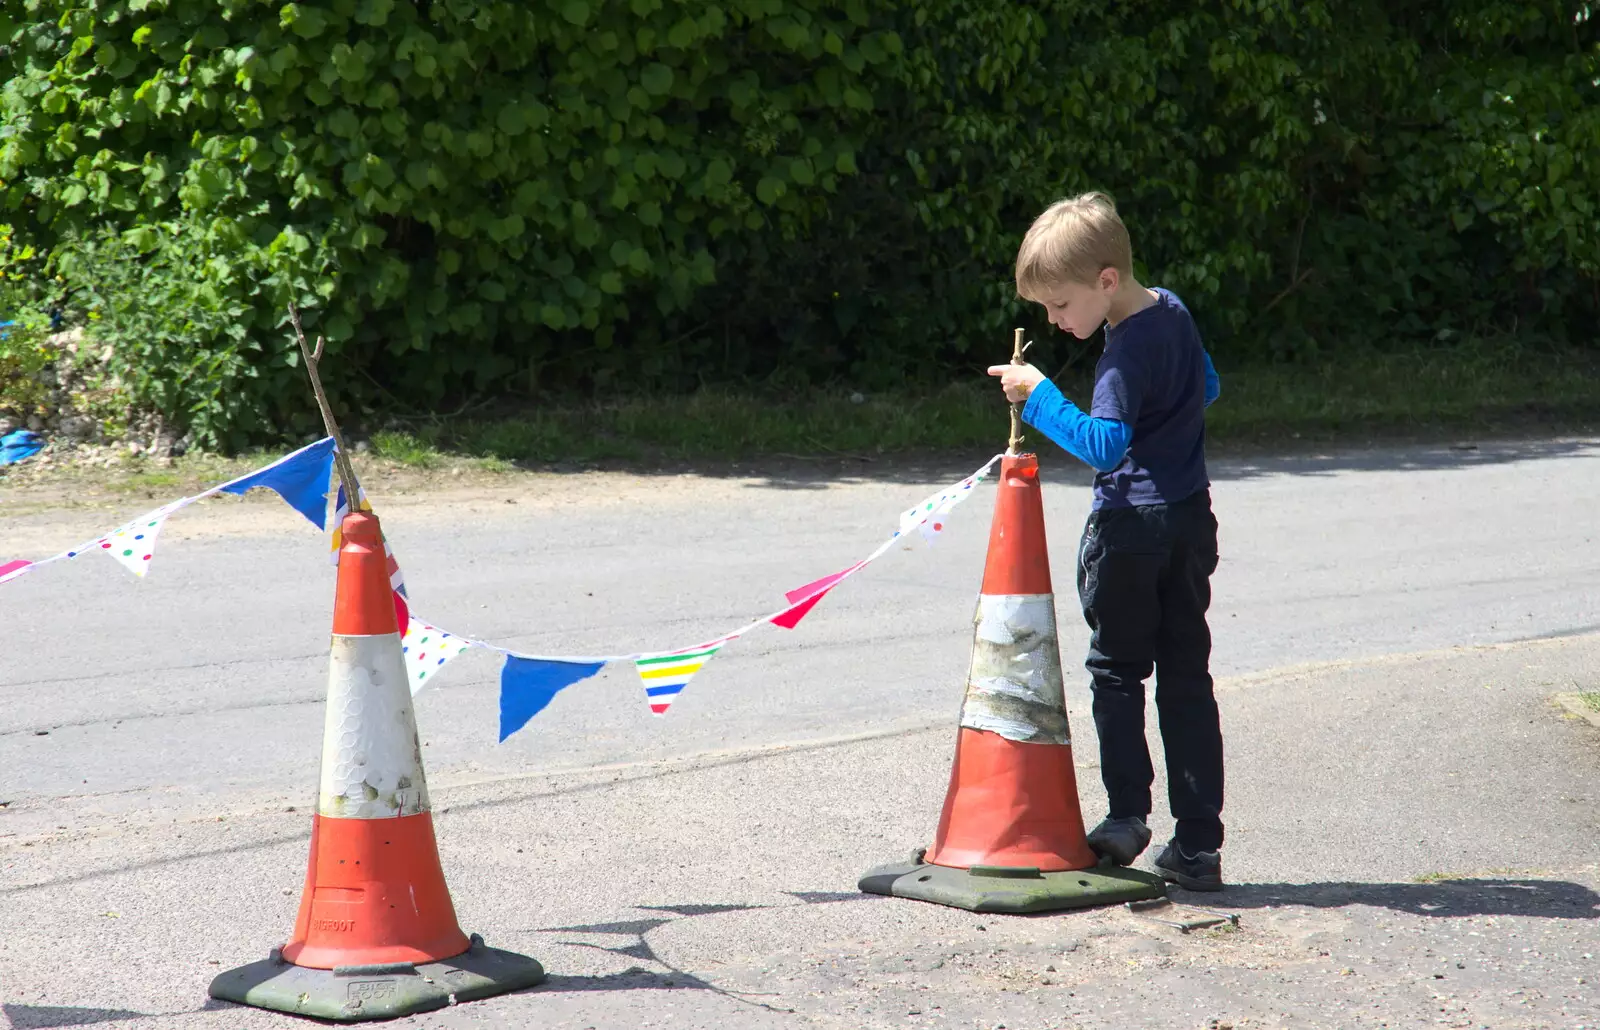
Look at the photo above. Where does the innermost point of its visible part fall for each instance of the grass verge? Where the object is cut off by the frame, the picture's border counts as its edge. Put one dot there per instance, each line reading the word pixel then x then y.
pixel 1481 388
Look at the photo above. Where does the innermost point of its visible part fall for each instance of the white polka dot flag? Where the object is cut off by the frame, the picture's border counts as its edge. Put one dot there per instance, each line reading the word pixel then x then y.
pixel 134 544
pixel 665 675
pixel 929 515
pixel 427 648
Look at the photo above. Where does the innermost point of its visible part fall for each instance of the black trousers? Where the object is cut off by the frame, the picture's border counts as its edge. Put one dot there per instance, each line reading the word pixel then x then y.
pixel 1144 579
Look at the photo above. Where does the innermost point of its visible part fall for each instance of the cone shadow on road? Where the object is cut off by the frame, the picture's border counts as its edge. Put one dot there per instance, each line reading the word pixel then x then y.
pixel 828 897
pixel 640 927
pixel 697 910
pixel 629 928
pixel 48 1017
pixel 639 949
pixel 1547 899
pixel 636 978
pixel 51 1017
pixel 631 979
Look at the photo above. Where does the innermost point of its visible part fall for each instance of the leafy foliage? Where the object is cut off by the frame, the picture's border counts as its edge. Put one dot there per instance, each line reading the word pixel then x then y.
pixel 24 327
pixel 550 195
pixel 1303 173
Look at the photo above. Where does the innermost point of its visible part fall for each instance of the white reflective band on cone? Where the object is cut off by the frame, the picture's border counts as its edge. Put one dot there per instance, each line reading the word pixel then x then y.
pixel 371 760
pixel 1014 688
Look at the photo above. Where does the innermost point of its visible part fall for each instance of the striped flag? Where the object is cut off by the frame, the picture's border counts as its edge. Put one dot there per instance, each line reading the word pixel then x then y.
pixel 666 675
pixel 341 508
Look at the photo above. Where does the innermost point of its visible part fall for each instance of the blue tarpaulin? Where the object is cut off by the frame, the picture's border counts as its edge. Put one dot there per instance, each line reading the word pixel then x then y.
pixel 24 443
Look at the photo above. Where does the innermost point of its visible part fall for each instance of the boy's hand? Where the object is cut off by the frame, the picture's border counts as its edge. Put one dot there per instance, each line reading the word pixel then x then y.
pixel 1018 381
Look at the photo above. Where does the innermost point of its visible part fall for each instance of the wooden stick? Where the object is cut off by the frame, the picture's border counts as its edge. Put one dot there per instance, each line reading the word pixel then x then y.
pixel 1016 409
pixel 341 455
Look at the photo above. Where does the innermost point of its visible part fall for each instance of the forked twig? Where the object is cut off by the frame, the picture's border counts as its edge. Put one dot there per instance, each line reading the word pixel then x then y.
pixel 341 455
pixel 1016 409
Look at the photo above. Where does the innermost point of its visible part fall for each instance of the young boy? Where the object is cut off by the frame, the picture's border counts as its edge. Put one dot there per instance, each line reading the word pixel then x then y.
pixel 1150 545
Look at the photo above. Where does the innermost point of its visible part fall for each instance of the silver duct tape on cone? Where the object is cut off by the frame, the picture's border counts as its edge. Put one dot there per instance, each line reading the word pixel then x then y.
pixel 1014 686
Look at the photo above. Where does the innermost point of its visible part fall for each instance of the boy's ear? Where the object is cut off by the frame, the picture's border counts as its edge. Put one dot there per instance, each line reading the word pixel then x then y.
pixel 1110 279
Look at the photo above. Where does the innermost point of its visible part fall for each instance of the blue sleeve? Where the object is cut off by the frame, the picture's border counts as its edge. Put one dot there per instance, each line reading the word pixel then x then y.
pixel 1098 442
pixel 1213 381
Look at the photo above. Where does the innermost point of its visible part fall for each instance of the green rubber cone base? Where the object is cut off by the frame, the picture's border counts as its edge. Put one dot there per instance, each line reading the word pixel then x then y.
pixel 1012 889
pixel 354 994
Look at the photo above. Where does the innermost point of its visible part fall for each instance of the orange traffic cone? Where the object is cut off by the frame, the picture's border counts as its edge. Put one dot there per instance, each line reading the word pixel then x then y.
pixel 1010 837
pixel 377 935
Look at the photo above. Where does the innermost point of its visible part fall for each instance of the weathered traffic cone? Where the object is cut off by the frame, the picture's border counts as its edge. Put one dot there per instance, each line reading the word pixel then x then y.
pixel 376 937
pixel 1010 837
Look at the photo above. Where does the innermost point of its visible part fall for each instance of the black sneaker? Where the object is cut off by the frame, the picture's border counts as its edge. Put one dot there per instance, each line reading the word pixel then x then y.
pixel 1200 872
pixel 1120 840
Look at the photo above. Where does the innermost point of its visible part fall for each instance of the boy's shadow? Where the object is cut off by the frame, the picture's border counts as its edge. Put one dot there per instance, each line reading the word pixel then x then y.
pixel 1547 899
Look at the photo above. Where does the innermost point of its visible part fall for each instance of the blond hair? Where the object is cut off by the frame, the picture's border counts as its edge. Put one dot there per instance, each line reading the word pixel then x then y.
pixel 1072 242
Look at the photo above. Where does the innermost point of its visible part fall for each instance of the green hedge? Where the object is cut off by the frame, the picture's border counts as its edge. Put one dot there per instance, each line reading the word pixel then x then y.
pixel 559 195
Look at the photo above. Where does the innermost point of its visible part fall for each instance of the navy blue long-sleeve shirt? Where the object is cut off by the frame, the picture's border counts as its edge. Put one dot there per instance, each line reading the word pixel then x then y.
pixel 1142 435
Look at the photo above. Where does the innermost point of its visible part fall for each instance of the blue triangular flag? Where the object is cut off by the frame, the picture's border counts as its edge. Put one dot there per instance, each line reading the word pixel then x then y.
pixel 527 685
pixel 300 478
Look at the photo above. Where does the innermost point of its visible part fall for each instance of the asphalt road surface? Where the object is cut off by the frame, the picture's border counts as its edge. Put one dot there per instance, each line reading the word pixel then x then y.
pixel 1388 627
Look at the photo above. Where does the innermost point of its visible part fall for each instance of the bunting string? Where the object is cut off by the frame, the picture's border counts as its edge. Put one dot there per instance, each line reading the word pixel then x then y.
pixel 300 478
pixel 528 683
